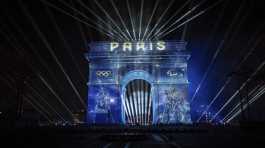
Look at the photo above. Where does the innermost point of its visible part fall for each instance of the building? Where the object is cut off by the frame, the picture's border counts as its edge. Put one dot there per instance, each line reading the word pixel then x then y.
pixel 138 83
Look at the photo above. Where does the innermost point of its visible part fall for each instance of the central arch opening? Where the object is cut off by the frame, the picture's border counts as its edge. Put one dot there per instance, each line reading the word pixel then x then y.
pixel 138 102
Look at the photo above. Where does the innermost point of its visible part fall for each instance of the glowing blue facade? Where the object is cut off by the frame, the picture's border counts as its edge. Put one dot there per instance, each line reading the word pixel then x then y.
pixel 138 83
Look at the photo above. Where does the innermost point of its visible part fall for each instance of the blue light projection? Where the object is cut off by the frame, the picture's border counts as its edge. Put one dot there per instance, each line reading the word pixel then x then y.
pixel 138 83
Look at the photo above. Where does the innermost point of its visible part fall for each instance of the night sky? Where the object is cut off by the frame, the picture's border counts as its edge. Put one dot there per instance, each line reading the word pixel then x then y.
pixel 43 42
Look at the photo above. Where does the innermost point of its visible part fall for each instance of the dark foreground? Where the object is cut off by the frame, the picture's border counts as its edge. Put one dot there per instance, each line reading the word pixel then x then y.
pixel 114 136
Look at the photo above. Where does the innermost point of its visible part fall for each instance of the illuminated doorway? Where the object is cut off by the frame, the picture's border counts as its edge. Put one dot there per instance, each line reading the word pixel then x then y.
pixel 138 102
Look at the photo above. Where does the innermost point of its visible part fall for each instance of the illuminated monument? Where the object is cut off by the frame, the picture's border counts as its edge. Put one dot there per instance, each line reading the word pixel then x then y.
pixel 138 83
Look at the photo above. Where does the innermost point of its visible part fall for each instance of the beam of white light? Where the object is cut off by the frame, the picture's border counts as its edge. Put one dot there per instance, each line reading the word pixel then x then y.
pixel 92 21
pixel 128 98
pixel 238 104
pixel 135 102
pixel 35 52
pixel 38 104
pixel 168 20
pixel 47 45
pixel 126 107
pixel 44 100
pixel 208 70
pixel 111 19
pixel 31 46
pixel 6 81
pixel 139 100
pixel 81 30
pixel 140 21
pixel 160 18
pixel 98 17
pixel 130 101
pixel 163 33
pixel 241 87
pixel 103 31
pixel 121 19
pixel 38 110
pixel 25 97
pixel 56 95
pixel 146 103
pixel 131 105
pixel 13 42
pixel 150 19
pixel 149 104
pixel 131 19
pixel 255 98
pixel 142 99
pixel 25 38
pixel 179 19
pixel 128 111
pixel 159 32
pixel 230 78
pixel 65 43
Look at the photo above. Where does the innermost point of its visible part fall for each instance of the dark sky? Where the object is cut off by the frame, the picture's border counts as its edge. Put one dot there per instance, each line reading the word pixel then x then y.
pixel 42 50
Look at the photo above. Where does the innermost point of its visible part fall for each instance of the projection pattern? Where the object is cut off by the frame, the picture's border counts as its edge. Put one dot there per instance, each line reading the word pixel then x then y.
pixel 138 83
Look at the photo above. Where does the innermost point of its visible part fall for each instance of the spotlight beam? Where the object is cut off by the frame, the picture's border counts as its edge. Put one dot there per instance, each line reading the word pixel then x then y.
pixel 126 108
pixel 92 21
pixel 168 20
pixel 34 51
pixel 140 22
pixel 135 101
pixel 183 16
pixel 160 18
pixel 103 31
pixel 255 98
pixel 128 99
pixel 18 45
pixel 38 104
pixel 149 104
pixel 56 95
pixel 96 15
pixel 162 34
pixel 6 81
pixel 82 14
pixel 27 99
pixel 31 46
pixel 46 43
pixel 216 26
pixel 238 104
pixel 81 29
pixel 139 100
pixel 132 101
pixel 230 78
pixel 110 18
pixel 9 40
pixel 208 69
pixel 179 19
pixel 241 87
pixel 150 19
pixel 121 19
pixel 131 19
pixel 44 100
pixel 65 43
pixel 38 110
pixel 142 100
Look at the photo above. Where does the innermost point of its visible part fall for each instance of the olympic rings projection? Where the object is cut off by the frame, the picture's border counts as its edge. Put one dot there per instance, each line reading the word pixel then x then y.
pixel 103 73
